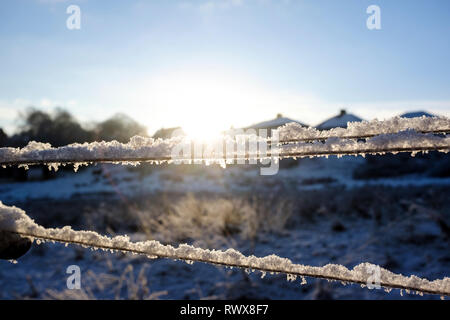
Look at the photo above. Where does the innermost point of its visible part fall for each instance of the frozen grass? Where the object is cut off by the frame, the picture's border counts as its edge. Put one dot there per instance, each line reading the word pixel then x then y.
pixel 211 222
pixel 123 286
pixel 200 212
pixel 414 219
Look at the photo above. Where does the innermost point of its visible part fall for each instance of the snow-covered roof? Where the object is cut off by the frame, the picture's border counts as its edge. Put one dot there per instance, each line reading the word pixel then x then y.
pixel 339 121
pixel 275 123
pixel 415 114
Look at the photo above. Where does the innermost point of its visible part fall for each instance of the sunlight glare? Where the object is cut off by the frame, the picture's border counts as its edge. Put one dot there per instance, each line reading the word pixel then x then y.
pixel 204 105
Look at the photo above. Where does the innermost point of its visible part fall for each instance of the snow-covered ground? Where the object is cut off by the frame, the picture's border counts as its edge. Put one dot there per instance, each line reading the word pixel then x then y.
pixel 408 245
pixel 117 179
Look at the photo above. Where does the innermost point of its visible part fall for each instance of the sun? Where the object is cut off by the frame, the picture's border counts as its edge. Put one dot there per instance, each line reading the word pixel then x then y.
pixel 203 132
pixel 203 105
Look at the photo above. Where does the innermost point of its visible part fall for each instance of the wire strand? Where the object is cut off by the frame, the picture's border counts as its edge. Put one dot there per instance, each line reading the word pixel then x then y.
pixel 355 137
pixel 246 157
pixel 237 265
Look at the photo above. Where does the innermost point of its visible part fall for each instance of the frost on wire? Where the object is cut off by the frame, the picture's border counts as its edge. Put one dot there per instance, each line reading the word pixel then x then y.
pixel 13 219
pixel 393 135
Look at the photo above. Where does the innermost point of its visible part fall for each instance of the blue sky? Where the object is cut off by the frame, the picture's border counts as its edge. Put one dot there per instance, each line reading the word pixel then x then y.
pixel 212 64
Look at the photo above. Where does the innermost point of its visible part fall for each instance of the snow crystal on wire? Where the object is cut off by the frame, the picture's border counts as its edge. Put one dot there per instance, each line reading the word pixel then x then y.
pixel 148 149
pixel 15 220
pixel 294 131
pixel 407 140
pixel 138 147
pixel 338 141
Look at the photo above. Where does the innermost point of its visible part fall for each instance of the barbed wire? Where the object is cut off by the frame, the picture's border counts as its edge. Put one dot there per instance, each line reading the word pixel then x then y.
pixel 323 143
pixel 246 157
pixel 249 267
pixel 355 137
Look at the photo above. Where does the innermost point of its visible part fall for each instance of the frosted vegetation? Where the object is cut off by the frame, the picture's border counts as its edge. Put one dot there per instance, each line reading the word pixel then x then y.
pixel 15 220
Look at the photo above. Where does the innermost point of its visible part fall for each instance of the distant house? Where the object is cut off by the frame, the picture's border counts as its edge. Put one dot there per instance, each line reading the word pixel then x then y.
pixel 416 114
pixel 268 125
pixel 166 133
pixel 275 123
pixel 339 121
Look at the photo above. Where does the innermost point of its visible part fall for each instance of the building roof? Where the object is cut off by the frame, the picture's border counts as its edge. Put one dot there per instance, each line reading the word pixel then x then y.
pixel 415 114
pixel 339 121
pixel 274 123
